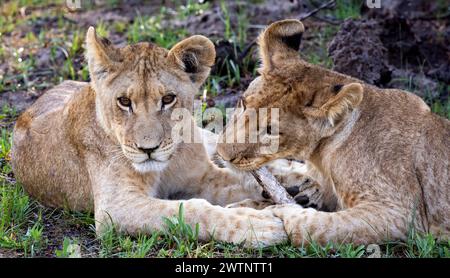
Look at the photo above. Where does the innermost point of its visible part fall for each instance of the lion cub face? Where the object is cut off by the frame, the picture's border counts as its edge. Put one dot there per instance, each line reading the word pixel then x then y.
pixel 312 102
pixel 137 88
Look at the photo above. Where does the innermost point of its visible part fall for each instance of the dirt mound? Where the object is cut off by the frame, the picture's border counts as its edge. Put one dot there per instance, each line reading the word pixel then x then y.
pixel 395 52
pixel 357 50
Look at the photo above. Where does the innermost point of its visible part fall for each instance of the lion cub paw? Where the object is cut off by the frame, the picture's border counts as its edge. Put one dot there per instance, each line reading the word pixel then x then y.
pixel 308 194
pixel 257 228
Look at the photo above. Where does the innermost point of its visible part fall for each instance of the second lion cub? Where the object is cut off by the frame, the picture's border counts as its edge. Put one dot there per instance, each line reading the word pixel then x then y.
pixel 381 152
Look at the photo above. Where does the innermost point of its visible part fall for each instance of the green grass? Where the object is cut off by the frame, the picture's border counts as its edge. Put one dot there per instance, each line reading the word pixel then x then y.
pixel 22 231
pixel 235 33
pixel 347 9
pixel 18 228
pixel 32 241
pixel 148 28
pixel 192 8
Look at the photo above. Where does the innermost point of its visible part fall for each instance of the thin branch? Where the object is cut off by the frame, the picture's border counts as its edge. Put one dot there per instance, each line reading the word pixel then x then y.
pixel 270 184
pixel 327 5
pixel 327 20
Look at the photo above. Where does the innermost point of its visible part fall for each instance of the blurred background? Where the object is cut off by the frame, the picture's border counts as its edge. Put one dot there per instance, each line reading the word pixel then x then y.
pixel 392 44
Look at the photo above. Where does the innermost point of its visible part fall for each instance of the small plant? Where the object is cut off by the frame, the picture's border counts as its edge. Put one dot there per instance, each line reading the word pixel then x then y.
pixel 85 73
pixel 180 235
pixel 33 241
pixel 347 9
pixel 76 44
pixel 350 251
pixel 441 108
pixel 421 246
pixel 69 70
pixel 192 8
pixel 444 250
pixel 108 241
pixel 150 29
pixel 102 29
pixel 120 26
pixel 31 38
pixel 314 249
pixel 78 218
pixel 286 251
pixel 70 249
pixel 226 20
pixel 5 140
pixel 14 209
pixel 140 248
pixel 114 244
pixel 212 86
pixel 239 37
pixel 234 73
pixel 6 25
pixel 242 26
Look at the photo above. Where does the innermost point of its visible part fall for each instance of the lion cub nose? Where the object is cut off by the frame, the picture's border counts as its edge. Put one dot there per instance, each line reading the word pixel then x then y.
pixel 148 151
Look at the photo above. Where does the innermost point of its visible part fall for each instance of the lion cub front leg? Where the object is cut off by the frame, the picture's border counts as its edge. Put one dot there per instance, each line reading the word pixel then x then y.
pixel 133 209
pixel 365 223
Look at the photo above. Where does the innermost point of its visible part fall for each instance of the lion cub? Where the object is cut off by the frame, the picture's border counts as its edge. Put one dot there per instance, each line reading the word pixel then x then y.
pixel 107 146
pixel 380 151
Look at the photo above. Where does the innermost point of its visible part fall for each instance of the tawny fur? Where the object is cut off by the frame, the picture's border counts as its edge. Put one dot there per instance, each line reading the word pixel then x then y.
pixel 77 148
pixel 380 152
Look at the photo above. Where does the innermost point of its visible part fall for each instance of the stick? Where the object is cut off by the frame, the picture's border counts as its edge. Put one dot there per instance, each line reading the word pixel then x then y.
pixel 316 10
pixel 270 184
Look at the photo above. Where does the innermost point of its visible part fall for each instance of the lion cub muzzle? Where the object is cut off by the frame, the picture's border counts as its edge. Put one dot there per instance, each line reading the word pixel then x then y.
pixel 150 159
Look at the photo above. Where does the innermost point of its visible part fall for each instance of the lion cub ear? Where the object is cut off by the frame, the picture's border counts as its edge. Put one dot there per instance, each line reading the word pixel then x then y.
pixel 195 56
pixel 334 109
pixel 100 54
pixel 280 41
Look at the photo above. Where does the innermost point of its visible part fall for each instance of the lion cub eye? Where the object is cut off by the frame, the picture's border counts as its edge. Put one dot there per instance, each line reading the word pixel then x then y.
pixel 124 102
pixel 168 100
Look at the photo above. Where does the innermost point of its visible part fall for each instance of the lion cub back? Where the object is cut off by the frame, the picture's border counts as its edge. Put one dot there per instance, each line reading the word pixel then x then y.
pixel 53 100
pixel 42 125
